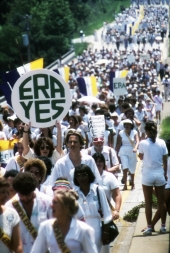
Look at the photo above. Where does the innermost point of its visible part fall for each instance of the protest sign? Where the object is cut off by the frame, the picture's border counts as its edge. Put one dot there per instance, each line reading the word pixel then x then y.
pixel 144 57
pixel 41 97
pixel 97 126
pixel 119 86
pixel 131 58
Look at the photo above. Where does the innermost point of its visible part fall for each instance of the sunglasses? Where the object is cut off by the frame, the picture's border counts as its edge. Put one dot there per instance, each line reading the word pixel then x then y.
pixel 44 147
pixel 36 173
pixel 81 175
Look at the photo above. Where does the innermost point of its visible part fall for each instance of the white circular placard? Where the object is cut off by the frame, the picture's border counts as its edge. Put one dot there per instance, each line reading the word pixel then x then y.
pixel 41 97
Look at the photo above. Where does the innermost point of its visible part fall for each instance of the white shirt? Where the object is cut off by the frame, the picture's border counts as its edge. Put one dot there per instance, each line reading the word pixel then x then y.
pixel 41 211
pixel 109 182
pixel 79 239
pixel 8 220
pixel 107 155
pixel 90 204
pixel 65 168
pixel 153 154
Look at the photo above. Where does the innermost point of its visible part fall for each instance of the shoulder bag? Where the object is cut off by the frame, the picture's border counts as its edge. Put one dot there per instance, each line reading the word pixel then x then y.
pixel 110 227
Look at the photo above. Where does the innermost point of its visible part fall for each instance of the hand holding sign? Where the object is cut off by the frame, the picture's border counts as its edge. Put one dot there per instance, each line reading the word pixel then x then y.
pixel 42 97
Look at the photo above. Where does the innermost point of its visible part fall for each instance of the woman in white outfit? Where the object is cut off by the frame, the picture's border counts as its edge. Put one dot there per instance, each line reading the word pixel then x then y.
pixel 64 233
pixel 87 191
pixel 10 242
pixel 111 187
pixel 153 152
pixel 127 144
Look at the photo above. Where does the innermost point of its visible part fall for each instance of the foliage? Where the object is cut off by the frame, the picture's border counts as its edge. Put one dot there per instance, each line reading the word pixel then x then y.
pixel 50 25
pixel 79 47
pixel 165 129
pixel 132 215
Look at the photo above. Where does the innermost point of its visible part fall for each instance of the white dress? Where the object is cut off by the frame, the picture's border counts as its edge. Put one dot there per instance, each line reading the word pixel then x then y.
pixel 79 239
pixel 8 219
pixel 90 206
pixel 127 156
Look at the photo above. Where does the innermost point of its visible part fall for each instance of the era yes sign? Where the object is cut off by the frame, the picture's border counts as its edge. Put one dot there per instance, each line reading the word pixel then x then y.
pixel 42 97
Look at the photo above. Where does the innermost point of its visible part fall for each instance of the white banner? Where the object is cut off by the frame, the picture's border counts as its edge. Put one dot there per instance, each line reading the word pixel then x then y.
pixel 119 86
pixel 144 57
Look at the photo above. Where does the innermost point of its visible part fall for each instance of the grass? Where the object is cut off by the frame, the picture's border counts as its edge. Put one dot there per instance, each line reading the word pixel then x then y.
pixel 79 47
pixel 99 16
pixel 132 215
pixel 165 129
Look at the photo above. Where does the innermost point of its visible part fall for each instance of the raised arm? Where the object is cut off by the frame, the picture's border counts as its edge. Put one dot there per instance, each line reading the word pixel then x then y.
pixel 59 138
pixel 25 139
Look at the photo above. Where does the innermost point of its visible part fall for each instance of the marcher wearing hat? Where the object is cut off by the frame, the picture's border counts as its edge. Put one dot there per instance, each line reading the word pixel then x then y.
pixel 150 109
pixel 158 100
pixel 127 144
pixel 166 84
pixel 141 114
pixel 109 153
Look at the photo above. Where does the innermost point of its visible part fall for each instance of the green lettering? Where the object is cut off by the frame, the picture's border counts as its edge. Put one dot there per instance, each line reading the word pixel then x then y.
pixel 39 111
pixel 58 89
pixel 23 90
pixel 115 86
pixel 26 108
pixel 59 109
pixel 38 85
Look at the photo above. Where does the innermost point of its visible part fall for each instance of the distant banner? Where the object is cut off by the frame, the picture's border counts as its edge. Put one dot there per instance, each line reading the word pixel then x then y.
pixel 12 76
pixel 87 85
pixel 6 150
pixel 120 86
pixel 64 72
pixel 97 126
pixel 131 58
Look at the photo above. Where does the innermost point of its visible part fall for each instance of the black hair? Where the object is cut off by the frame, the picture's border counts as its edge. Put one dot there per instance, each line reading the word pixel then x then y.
pixel 168 146
pixel 94 106
pixel 83 168
pixel 129 110
pixel 49 133
pixel 83 108
pixel 48 164
pixel 100 156
pixel 151 128
pixel 11 173
pixel 40 142
pixel 112 108
pixel 25 183
pixel 74 118
pixel 74 104
pixel 125 105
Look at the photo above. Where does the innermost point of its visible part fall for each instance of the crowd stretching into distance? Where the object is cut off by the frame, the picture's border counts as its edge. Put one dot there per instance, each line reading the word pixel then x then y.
pixel 51 187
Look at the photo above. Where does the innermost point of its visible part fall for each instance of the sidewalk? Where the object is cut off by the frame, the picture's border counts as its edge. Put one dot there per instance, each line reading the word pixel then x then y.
pixel 131 239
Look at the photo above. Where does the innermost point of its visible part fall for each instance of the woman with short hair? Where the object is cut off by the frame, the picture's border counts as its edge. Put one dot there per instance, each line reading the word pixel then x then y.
pixel 88 199
pixel 153 152
pixel 127 144
pixel 75 236
pixel 43 146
